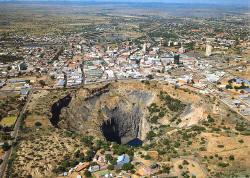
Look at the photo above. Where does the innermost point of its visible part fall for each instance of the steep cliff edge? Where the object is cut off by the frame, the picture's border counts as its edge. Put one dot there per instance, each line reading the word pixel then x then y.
pixel 118 114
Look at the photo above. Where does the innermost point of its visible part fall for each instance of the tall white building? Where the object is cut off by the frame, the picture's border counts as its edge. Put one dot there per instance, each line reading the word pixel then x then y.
pixel 208 50
pixel 144 49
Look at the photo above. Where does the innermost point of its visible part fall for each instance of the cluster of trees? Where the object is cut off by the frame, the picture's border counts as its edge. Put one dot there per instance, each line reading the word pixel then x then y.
pixel 153 108
pixel 173 104
pixel 190 46
pixel 8 104
pixel 127 166
pixel 87 140
pixel 9 58
pixel 243 128
pixel 72 161
pixel 150 135
pixel 120 149
pixel 164 34
pixel 230 82
pixel 111 160
pixel 156 113
pixel 165 169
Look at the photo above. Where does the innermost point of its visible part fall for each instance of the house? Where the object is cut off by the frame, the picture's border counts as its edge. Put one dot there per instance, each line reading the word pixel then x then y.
pixel 24 91
pixel 82 166
pixel 94 168
pixel 2 84
pixel 123 159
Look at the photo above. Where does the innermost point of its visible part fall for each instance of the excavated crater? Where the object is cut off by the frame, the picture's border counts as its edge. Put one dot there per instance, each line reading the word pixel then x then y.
pixel 57 107
pixel 119 115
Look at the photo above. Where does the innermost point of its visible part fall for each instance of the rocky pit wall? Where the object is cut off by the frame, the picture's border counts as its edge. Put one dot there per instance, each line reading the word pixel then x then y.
pixel 117 114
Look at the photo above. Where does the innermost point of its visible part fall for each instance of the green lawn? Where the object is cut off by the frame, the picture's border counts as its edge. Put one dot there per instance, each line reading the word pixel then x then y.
pixel 8 121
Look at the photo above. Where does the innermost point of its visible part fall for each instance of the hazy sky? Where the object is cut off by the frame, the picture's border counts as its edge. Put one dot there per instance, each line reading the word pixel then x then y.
pixel 191 1
pixel 246 2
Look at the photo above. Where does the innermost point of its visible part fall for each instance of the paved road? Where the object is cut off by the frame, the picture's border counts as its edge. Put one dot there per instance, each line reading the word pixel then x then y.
pixel 4 165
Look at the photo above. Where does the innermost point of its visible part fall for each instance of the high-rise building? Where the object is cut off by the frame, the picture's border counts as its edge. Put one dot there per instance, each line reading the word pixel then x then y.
pixel 208 50
pixel 144 49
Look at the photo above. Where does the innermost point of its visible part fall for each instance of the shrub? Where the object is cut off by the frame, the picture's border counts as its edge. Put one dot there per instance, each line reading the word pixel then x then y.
pixel 185 162
pixel 161 114
pixel 241 141
pixel 231 157
pixel 87 140
pixel 210 119
pixel 180 167
pixel 220 146
pixel 165 169
pixel 154 119
pixel 147 157
pixel 177 144
pixel 150 135
pixel 222 164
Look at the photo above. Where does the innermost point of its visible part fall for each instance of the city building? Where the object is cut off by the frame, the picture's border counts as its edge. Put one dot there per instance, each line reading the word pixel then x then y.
pixel 208 50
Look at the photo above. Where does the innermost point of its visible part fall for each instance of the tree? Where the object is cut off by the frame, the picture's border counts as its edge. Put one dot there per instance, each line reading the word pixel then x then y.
pixel 52 77
pixel 127 166
pixel 229 87
pixel 110 167
pixel 9 68
pixel 108 157
pixel 154 119
pixel 162 114
pixel 6 146
pixel 87 173
pixel 231 157
pixel 23 66
pixel 42 83
pixel 89 155
pixel 113 161
pixel 185 162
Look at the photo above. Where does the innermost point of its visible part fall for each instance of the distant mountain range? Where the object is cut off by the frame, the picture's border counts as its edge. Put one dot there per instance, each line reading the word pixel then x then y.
pixel 222 2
